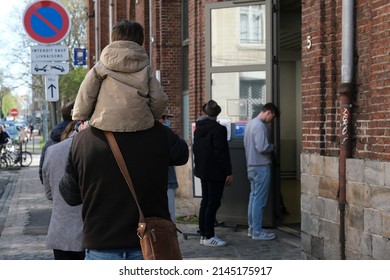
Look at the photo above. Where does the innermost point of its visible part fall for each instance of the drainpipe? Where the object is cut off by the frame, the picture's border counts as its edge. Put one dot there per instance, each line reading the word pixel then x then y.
pixel 345 91
pixel 150 33
pixel 96 31
pixel 111 16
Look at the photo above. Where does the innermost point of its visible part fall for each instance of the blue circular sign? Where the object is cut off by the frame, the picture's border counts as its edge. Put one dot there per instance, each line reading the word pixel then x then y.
pixel 46 22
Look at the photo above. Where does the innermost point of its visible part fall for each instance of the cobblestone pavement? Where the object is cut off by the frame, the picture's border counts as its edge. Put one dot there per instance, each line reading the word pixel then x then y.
pixel 25 215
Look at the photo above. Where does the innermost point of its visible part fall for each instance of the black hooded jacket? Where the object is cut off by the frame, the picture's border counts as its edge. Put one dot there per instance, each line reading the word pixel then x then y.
pixel 211 151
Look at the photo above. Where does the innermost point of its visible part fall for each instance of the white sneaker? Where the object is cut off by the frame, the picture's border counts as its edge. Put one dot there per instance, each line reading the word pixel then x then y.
pixel 201 240
pixel 214 242
pixel 250 230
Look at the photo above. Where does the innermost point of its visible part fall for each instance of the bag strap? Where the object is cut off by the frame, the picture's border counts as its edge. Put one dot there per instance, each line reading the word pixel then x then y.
pixel 122 166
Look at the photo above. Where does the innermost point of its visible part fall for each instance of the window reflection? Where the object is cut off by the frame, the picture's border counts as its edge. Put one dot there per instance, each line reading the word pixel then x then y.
pixel 238 36
pixel 240 94
pixel 251 25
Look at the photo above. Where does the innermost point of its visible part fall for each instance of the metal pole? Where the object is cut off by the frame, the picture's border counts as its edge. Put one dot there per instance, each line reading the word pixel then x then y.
pixel 110 17
pixel 96 31
pixel 44 122
pixel 151 40
pixel 346 91
pixel 54 117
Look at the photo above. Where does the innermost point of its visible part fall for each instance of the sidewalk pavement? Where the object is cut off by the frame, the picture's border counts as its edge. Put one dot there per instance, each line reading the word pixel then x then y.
pixel 25 213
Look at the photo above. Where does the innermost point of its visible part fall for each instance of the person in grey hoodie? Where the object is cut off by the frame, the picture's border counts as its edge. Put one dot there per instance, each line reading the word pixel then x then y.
pixel 258 153
pixel 120 93
pixel 66 224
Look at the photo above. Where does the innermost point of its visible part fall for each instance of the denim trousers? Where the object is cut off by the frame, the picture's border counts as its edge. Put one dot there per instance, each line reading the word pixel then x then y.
pixel 259 178
pixel 114 254
pixel 211 200
pixel 171 204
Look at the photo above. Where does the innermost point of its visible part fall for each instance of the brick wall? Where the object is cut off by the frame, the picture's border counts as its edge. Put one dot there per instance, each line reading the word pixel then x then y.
pixel 168 55
pixel 367 180
pixel 321 78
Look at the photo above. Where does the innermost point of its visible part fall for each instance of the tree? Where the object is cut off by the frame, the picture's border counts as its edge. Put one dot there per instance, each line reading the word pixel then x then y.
pixel 69 84
pixel 8 103
pixel 3 92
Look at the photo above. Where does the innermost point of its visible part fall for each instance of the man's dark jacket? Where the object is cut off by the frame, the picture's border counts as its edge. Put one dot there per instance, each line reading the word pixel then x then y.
pixel 211 151
pixel 92 177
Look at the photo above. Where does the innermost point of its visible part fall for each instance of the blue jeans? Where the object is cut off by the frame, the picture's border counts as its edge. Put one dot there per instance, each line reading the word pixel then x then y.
pixel 114 254
pixel 260 178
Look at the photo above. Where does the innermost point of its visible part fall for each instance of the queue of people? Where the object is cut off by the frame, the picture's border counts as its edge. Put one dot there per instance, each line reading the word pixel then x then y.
pixel 94 215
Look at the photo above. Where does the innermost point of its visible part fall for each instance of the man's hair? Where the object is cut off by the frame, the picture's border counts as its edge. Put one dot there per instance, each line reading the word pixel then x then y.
pixel 128 31
pixel 271 107
pixel 66 111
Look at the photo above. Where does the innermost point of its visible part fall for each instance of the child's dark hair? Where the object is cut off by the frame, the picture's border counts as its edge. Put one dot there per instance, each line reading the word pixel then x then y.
pixel 128 31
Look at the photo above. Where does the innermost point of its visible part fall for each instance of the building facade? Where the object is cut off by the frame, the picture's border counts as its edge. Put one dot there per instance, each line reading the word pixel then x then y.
pixel 333 163
pixel 345 130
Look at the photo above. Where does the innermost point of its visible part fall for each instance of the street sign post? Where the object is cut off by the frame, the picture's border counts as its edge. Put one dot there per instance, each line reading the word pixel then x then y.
pixel 51 88
pixel 46 22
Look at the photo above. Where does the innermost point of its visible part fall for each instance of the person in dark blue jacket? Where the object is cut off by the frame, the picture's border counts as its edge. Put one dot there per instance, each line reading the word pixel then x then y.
pixel 213 167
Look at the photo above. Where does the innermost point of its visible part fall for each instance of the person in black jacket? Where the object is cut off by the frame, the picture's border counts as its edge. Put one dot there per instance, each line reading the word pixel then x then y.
pixel 4 139
pixel 213 167
pixel 93 178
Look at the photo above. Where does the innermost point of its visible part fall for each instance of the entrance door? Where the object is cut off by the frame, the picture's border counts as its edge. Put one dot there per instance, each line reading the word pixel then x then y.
pixel 239 77
pixel 253 57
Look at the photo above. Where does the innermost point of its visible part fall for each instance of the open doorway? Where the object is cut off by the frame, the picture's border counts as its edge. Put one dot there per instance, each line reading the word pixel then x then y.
pixel 290 107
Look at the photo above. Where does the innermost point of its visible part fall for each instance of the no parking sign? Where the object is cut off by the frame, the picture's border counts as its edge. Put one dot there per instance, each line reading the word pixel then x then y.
pixel 46 22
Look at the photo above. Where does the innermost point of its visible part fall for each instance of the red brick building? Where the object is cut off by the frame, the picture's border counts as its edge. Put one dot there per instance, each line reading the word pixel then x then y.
pixel 345 129
pixel 333 167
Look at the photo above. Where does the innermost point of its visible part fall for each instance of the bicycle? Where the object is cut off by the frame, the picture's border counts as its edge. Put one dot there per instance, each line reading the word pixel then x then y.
pixel 11 156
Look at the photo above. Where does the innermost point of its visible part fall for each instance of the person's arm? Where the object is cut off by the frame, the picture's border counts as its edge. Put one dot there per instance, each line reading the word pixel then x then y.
pixel 178 149
pixel 69 187
pixel 46 179
pixel 157 98
pixel 42 158
pixel 262 145
pixel 87 95
pixel 7 138
pixel 221 150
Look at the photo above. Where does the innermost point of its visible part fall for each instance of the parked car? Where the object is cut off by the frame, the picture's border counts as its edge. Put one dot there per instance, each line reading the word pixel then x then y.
pixel 58 67
pixel 13 133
